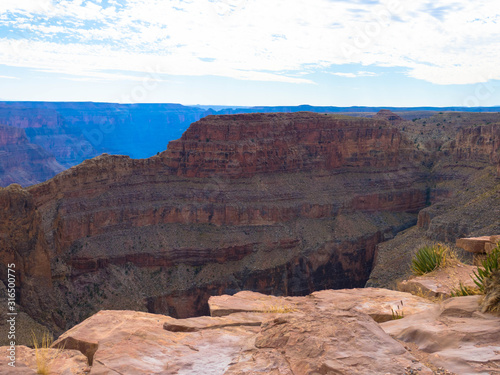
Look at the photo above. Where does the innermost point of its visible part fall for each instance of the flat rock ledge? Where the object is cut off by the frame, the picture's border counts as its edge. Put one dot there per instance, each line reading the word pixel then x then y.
pixel 325 333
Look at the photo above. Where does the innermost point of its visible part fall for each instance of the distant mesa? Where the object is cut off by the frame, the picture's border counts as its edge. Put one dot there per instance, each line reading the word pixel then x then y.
pixel 388 115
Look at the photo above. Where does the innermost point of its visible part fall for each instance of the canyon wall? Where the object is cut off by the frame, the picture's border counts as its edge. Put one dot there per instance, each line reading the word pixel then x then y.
pixel 463 178
pixel 278 203
pixel 73 132
pixel 468 175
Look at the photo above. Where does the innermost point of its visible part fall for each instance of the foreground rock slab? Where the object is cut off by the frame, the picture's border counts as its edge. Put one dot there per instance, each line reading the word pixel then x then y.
pixel 271 335
pixel 455 335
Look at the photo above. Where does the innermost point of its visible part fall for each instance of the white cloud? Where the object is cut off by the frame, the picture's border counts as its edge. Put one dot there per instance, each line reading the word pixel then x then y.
pixel 360 73
pixel 444 42
pixel 8 77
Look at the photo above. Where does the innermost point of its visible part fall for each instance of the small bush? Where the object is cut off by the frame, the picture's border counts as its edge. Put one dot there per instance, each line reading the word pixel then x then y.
pixel 428 258
pixel 489 265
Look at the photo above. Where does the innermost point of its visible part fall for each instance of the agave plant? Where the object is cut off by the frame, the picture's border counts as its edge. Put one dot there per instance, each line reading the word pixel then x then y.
pixel 489 265
pixel 427 259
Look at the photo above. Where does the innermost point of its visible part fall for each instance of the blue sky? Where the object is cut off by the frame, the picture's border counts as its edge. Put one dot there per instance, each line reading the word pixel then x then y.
pixel 252 52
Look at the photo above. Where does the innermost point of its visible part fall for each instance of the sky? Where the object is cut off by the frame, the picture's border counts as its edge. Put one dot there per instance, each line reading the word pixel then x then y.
pixel 252 52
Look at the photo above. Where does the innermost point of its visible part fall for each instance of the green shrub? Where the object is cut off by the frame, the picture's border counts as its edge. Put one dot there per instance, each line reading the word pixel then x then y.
pixel 428 258
pixel 489 265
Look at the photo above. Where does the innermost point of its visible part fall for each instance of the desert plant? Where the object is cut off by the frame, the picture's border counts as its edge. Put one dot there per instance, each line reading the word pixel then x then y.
pixel 41 352
pixel 488 266
pixel 491 300
pixel 398 313
pixel 428 258
pixel 464 290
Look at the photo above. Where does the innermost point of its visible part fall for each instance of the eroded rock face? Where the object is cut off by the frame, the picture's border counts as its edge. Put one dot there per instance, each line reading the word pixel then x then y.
pixel 278 203
pixel 315 336
pixel 23 247
pixel 478 143
pixel 241 146
pixel 456 334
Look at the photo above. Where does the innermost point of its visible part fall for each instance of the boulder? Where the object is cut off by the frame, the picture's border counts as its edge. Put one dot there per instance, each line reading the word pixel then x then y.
pixel 439 283
pixel 479 245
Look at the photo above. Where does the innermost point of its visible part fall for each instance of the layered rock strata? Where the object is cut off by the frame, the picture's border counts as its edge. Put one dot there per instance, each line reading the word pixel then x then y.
pixel 278 203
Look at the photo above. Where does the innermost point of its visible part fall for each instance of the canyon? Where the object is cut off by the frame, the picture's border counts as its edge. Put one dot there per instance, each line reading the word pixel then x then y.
pixel 64 134
pixel 279 203
pixel 73 132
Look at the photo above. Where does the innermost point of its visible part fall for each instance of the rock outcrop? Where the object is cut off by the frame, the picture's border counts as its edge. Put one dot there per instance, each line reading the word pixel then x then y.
pixel 313 337
pixel 279 203
pixel 440 283
pixel 479 245
pixel 454 335
pixel 380 304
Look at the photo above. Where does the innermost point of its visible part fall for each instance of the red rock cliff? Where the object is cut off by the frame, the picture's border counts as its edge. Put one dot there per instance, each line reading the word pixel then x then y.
pixel 244 145
pixel 481 143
